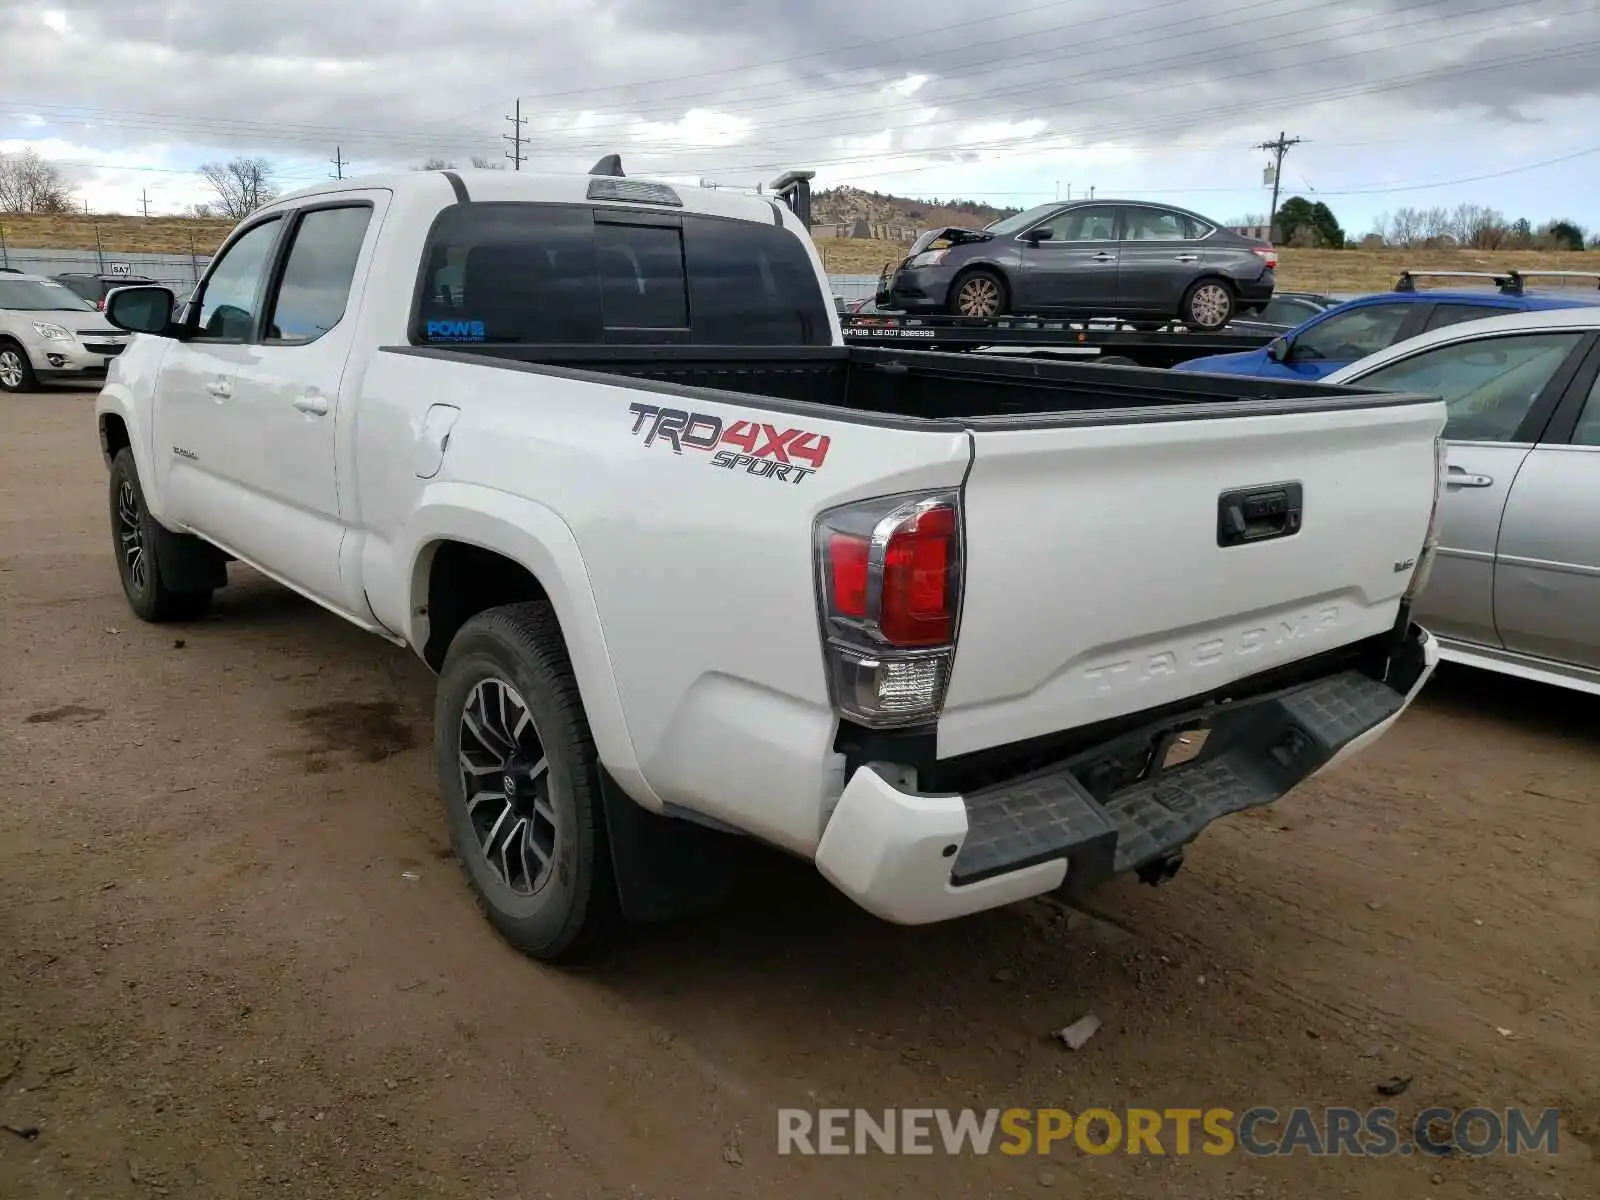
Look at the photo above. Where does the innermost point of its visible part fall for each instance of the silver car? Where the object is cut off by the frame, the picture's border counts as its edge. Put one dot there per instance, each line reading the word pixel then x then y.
pixel 49 333
pixel 1516 585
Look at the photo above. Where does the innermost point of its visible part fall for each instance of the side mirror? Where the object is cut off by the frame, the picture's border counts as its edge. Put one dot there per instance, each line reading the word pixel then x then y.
pixel 1278 349
pixel 146 308
pixel 1041 234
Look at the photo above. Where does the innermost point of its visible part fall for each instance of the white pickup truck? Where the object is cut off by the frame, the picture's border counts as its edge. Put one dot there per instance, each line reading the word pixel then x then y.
pixel 943 625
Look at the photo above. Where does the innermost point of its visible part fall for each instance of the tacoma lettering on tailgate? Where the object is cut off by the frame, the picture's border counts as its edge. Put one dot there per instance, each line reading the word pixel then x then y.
pixel 762 450
pixel 1163 663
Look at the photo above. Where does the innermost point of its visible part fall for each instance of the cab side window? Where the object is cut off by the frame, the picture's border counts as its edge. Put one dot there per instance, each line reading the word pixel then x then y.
pixel 232 290
pixel 321 266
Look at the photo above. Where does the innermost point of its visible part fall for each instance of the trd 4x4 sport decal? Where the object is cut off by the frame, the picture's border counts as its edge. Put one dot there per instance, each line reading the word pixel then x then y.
pixel 787 455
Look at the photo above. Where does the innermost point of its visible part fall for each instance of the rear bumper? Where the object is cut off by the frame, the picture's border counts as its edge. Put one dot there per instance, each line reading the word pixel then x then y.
pixel 915 859
pixel 1257 291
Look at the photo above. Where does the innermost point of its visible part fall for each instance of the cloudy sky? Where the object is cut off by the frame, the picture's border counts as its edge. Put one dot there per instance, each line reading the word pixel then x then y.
pixel 1401 102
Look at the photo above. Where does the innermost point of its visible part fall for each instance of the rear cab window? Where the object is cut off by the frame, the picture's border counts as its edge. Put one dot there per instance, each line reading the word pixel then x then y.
pixel 551 274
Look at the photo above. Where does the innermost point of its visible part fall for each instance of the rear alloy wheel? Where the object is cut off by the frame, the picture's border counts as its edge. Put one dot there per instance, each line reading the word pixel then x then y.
pixel 521 784
pixel 1208 304
pixel 980 294
pixel 16 373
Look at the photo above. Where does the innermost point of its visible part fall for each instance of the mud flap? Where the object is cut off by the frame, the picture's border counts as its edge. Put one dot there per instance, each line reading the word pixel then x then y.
pixel 188 564
pixel 665 867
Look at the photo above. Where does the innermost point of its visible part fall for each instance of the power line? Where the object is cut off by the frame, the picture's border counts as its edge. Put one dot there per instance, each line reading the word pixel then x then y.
pixel 338 160
pixel 1188 118
pixel 897 39
pixel 1187 59
pixel 515 136
pixel 1279 148
pixel 1077 47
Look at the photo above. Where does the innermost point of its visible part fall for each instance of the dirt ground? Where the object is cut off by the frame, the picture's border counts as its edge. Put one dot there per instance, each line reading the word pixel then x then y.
pixel 236 959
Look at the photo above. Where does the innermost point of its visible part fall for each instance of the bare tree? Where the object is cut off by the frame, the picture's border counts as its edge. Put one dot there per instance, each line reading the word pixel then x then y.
pixel 1436 227
pixel 1479 227
pixel 242 185
pixel 487 164
pixel 30 184
pixel 1404 228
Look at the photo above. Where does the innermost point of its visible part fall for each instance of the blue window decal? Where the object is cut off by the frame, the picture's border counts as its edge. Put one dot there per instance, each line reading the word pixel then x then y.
pixel 455 331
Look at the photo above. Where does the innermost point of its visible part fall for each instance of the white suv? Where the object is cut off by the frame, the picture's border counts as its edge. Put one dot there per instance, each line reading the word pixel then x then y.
pixel 48 332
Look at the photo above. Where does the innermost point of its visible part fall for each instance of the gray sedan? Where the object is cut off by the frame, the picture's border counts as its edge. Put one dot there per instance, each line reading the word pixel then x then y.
pixel 1092 258
pixel 1516 584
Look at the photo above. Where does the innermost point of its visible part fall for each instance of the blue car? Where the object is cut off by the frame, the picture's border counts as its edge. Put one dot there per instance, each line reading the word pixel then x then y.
pixel 1343 334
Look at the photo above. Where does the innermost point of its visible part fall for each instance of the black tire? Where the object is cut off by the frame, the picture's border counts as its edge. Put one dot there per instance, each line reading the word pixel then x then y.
pixel 570 909
pixel 15 368
pixel 140 543
pixel 1209 304
pixel 980 280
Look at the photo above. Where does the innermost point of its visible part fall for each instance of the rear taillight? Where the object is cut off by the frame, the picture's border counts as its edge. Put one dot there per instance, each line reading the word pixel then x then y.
pixel 1269 254
pixel 889 587
pixel 1430 540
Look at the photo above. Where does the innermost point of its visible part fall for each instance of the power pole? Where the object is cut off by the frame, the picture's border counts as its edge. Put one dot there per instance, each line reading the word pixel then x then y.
pixel 1279 148
pixel 144 202
pixel 339 162
pixel 515 137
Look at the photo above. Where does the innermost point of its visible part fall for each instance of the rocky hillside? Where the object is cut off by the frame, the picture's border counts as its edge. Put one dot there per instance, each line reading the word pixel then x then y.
pixel 853 213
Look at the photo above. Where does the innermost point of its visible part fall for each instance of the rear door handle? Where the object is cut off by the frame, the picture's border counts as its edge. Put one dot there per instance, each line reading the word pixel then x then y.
pixel 1458 477
pixel 314 403
pixel 1185 258
pixel 220 388
pixel 1104 257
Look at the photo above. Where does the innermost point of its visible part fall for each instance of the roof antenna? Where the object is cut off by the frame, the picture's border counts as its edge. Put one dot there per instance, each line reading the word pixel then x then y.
pixel 611 165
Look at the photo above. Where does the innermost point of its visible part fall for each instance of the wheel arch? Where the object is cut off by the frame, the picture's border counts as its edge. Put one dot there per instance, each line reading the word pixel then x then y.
pixel 1205 277
pixel 475 548
pixel 988 266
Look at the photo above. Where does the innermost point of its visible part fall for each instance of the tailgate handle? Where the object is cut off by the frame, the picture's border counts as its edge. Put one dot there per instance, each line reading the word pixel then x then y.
pixel 1258 514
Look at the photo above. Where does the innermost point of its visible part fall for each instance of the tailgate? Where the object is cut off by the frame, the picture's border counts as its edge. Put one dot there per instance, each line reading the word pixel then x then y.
pixel 1096 582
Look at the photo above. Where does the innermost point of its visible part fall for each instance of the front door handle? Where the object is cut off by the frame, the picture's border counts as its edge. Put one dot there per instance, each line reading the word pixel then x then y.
pixel 314 403
pixel 1185 258
pixel 1458 477
pixel 1104 257
pixel 220 388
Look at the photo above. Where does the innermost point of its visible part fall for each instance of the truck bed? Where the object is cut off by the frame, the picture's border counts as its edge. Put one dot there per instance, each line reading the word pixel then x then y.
pixel 930 385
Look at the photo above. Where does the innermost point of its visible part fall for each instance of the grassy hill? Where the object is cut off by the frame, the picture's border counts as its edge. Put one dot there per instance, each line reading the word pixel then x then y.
pixel 125 235
pixel 1299 270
